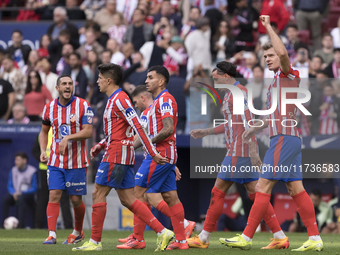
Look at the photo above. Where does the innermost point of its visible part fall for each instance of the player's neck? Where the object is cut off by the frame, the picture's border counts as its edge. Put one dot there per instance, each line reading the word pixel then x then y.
pixel 111 90
pixel 157 92
pixel 148 103
pixel 64 101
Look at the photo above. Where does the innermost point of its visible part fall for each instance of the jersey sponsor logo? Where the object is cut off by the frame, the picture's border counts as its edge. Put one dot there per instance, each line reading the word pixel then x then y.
pixel 130 113
pixel 73 117
pixel 126 142
pixel 64 130
pixel 166 107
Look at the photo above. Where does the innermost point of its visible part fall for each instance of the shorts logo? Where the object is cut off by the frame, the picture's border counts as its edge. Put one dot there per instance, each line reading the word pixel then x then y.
pixel 100 171
pixel 68 184
pixel 139 174
pixel 73 117
pixel 77 190
pixel 130 113
pixel 166 107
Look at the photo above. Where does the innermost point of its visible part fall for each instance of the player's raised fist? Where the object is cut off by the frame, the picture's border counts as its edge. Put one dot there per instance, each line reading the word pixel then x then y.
pixel 265 19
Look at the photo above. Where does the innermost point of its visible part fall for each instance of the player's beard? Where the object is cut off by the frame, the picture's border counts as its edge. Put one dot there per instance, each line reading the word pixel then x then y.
pixel 66 98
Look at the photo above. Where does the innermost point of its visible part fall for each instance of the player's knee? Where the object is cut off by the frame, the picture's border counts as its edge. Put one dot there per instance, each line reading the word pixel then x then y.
pixel 55 196
pixel 76 200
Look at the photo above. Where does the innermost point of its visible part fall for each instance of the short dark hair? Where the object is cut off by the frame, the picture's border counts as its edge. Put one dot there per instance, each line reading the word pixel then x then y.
pixel 109 51
pixel 62 76
pixel 22 155
pixel 195 7
pixel 76 54
pixel 8 56
pixel 321 58
pixel 65 32
pixel 201 22
pixel 225 67
pixel 267 46
pixel 17 31
pixel 316 192
pixel 259 66
pixel 336 49
pixel 292 26
pixel 138 90
pixel 141 10
pixel 322 71
pixel 114 71
pixel 162 71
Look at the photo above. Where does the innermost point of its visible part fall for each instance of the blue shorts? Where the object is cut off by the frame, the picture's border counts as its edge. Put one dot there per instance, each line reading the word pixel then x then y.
pixel 237 169
pixel 116 176
pixel 71 180
pixel 282 161
pixel 158 178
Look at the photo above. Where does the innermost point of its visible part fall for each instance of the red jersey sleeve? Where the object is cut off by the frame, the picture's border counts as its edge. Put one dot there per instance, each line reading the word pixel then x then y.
pixel 292 78
pixel 45 116
pixel 248 117
pixel 166 107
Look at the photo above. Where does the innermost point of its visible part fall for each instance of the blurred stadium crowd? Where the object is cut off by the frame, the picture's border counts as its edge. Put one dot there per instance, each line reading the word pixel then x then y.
pixel 188 37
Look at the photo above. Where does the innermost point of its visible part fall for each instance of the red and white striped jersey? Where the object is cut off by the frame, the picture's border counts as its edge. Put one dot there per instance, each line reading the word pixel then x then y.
pixel 247 73
pixel 66 120
pixel 164 106
pixel 281 80
pixel 120 120
pixel 144 118
pixel 236 125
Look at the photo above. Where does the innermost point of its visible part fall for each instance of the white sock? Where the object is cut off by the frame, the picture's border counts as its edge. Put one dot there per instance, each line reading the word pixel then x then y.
pixel 75 233
pixel 93 241
pixel 315 238
pixel 52 233
pixel 204 236
pixel 186 223
pixel 248 239
pixel 162 232
pixel 279 235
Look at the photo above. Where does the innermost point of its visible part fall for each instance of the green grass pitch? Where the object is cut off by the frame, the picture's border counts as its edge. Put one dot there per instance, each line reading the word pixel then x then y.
pixel 30 242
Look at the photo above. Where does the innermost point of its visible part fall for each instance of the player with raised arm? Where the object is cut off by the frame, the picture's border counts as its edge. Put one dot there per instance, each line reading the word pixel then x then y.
pixel 162 123
pixel 71 120
pixel 143 100
pixel 116 168
pixel 284 150
pixel 239 154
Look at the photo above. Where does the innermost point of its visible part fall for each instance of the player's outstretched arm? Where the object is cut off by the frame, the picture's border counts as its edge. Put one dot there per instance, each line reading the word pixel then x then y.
pixel 43 139
pixel 167 130
pixel 278 45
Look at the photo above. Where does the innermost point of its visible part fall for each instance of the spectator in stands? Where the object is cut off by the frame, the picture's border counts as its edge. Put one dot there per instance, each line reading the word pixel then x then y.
pixel 106 56
pixel 327 49
pixel 220 5
pixel 43 46
pixel 293 41
pixel 167 10
pixel 249 59
pixel 214 16
pixel 7 99
pixel 33 58
pixel 136 74
pixel 90 67
pixel 14 76
pixel 328 123
pixel 64 60
pixel 19 115
pixel 163 25
pixel 336 35
pixel 48 78
pixel 72 12
pixel 333 69
pixel 90 44
pixel 197 44
pixel 104 17
pixel 323 211
pixel 90 7
pixel 117 57
pixel 222 42
pixel 278 15
pixel 36 97
pixel 22 186
pixel 127 52
pixel 188 27
pixel 28 13
pixel 118 29
pixel 265 38
pixel 309 14
pixel 242 22
pixel 60 23
pixel 302 59
pixel 18 50
pixel 238 223
pixel 45 9
pixel 336 101
pixel 127 7
pixel 138 32
pixel 315 64
pixel 78 75
pixel 256 85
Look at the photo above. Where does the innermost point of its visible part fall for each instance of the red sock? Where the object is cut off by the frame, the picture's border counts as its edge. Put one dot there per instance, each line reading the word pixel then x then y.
pixel 257 212
pixel 142 212
pixel 52 212
pixel 79 214
pixel 139 226
pixel 215 209
pixel 163 208
pixel 270 217
pixel 307 213
pixel 177 220
pixel 98 217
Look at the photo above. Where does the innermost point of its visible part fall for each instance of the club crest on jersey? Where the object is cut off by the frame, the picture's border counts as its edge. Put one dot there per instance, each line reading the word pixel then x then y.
pixel 166 107
pixel 130 113
pixel 73 117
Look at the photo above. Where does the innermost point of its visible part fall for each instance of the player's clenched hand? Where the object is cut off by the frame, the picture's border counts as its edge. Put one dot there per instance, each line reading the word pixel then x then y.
pixel 159 159
pixel 178 174
pixel 198 133
pixel 62 146
pixel 265 19
pixel 256 161
pixel 95 150
pixel 247 135
pixel 43 157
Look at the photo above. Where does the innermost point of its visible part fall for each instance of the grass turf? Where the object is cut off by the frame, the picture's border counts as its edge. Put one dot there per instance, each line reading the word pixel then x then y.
pixel 31 242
